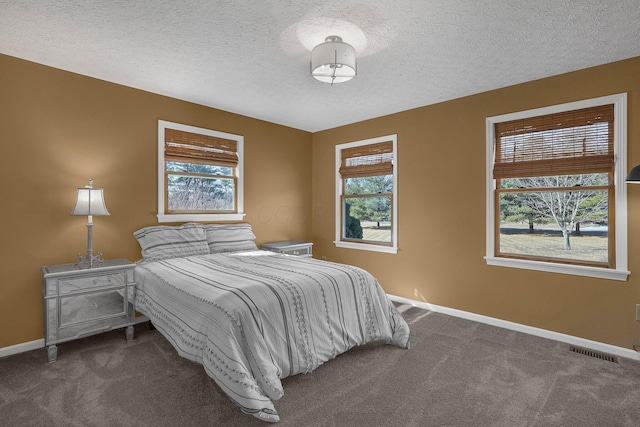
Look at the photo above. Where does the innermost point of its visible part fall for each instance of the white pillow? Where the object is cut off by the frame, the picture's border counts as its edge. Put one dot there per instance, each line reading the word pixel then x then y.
pixel 230 237
pixel 163 242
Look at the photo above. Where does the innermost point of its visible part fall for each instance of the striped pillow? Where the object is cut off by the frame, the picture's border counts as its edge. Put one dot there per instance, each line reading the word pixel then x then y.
pixel 164 242
pixel 230 237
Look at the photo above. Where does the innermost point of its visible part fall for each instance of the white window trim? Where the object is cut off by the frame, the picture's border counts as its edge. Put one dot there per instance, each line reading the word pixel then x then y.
pixel 394 221
pixel 620 172
pixel 166 217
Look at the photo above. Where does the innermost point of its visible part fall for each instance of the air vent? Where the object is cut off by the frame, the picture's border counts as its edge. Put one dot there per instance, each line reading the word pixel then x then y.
pixel 591 353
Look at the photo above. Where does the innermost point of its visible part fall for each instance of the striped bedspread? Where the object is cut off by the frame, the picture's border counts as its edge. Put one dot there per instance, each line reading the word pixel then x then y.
pixel 252 318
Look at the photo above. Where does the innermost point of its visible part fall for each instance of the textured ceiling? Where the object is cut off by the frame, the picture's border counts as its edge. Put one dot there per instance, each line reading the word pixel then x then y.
pixel 252 57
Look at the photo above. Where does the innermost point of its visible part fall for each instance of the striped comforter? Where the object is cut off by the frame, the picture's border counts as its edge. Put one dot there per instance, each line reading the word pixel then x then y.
pixel 252 318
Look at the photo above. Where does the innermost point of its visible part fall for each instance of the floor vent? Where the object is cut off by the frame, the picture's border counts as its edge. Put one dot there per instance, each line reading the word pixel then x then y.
pixel 591 353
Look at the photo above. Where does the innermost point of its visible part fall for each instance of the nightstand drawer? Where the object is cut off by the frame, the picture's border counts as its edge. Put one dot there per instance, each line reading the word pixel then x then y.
pixel 301 251
pixel 84 283
pixel 76 309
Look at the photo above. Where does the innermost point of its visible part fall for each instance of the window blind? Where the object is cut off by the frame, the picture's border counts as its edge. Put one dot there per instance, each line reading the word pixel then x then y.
pixel 567 143
pixel 181 146
pixel 367 160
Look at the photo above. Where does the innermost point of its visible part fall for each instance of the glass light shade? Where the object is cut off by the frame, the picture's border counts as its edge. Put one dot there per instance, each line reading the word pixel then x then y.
pixel 90 201
pixel 634 175
pixel 333 61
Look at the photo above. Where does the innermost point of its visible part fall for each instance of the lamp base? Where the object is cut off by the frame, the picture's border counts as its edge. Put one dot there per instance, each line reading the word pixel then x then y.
pixel 90 261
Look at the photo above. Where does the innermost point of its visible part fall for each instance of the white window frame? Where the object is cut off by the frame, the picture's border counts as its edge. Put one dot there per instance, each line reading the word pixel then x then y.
pixel 393 249
pixel 184 217
pixel 620 172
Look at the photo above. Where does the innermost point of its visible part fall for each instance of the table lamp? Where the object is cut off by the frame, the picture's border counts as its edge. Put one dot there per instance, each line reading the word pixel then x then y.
pixel 90 203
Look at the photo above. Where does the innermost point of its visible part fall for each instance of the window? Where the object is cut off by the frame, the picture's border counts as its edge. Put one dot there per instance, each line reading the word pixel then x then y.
pixel 556 195
pixel 366 194
pixel 199 174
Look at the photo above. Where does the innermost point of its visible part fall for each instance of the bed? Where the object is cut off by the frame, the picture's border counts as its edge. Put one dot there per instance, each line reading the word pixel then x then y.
pixel 251 317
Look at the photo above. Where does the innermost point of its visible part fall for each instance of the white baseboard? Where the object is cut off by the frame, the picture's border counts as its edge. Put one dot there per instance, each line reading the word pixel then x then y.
pixel 569 339
pixel 34 345
pixel 21 348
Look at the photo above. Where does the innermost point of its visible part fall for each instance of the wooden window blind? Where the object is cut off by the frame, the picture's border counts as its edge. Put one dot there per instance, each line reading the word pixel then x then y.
pixel 181 146
pixel 367 160
pixel 567 143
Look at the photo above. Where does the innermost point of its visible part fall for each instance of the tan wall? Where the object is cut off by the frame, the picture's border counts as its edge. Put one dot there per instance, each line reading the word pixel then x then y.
pixel 59 129
pixel 441 197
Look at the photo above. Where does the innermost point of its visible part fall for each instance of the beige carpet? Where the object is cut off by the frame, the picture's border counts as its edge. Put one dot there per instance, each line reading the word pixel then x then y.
pixel 457 373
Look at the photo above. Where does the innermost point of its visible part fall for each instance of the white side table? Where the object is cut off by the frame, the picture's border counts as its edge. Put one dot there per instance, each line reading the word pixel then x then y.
pixel 290 247
pixel 81 302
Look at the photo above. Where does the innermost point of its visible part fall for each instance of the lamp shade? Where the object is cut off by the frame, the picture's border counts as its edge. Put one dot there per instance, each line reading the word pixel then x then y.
pixel 90 201
pixel 634 175
pixel 333 61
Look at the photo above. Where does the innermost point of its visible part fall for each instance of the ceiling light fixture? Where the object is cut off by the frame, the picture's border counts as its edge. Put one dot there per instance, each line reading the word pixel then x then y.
pixel 333 61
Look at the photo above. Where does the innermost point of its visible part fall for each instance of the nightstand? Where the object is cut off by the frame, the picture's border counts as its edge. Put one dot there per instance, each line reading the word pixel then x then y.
pixel 290 247
pixel 81 302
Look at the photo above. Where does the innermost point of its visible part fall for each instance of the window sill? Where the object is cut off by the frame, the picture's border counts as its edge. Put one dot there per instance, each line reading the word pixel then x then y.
pixel 367 247
pixel 199 217
pixel 577 270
